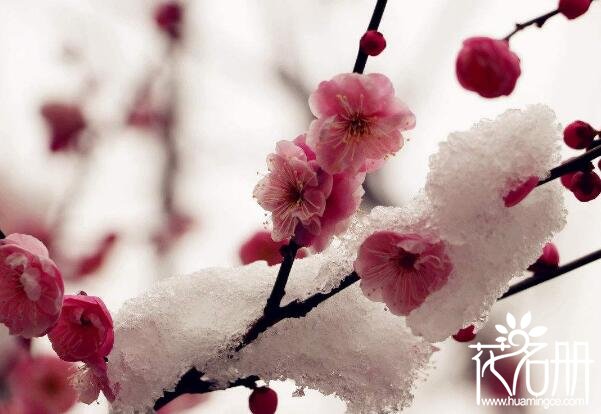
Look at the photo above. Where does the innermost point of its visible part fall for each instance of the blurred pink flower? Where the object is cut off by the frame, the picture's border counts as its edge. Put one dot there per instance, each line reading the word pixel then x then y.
pixel 12 406
pixel 31 286
pixel 66 122
pixel 294 191
pixel 42 385
pixel 176 226
pixel 260 246
pixel 359 121
pixel 401 270
pixel 91 263
pixel 84 331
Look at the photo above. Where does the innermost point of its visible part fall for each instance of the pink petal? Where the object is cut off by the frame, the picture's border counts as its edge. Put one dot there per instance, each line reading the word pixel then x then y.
pixel 518 193
pixel 387 276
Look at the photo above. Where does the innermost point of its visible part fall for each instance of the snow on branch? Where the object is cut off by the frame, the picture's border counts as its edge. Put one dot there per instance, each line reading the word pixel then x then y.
pixel 349 345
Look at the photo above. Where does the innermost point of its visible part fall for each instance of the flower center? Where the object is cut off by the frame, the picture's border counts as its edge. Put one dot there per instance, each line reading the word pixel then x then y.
pixel 51 385
pixel 85 321
pixel 295 195
pixel 407 260
pixel 357 125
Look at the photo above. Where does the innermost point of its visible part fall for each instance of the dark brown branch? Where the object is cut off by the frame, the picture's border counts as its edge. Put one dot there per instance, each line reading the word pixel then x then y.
pixel 295 309
pixel 279 288
pixel 575 164
pixel 192 383
pixel 542 277
pixel 299 309
pixel 538 21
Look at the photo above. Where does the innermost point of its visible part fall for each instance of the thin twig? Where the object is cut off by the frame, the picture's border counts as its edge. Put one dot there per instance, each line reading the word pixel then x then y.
pixel 542 277
pixel 279 288
pixel 168 127
pixel 193 383
pixel 538 21
pixel 575 164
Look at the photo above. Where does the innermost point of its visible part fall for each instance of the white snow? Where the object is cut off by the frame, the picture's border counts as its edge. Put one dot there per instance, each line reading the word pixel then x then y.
pixel 349 346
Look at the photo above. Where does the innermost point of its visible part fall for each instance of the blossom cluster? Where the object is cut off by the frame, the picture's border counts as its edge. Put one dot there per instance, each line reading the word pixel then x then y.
pixel 33 304
pixel 585 183
pixel 314 182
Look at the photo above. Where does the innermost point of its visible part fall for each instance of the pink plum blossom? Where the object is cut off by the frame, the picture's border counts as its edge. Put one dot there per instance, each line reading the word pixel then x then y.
pixel 359 121
pixel 295 191
pixel 401 270
pixel 307 203
pixel 91 263
pixel 42 385
pixel 84 331
pixel 341 204
pixel 31 286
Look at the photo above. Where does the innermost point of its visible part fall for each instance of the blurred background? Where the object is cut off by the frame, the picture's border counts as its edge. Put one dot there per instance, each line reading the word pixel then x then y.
pixel 131 146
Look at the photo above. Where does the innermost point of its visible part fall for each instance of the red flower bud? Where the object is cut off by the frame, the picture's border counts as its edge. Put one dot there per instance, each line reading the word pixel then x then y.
pixel 466 334
pixel 579 135
pixel 487 67
pixel 372 43
pixel 168 17
pixel 548 260
pixel 573 8
pixel 84 331
pixel 550 255
pixel 263 400
pixel 586 185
